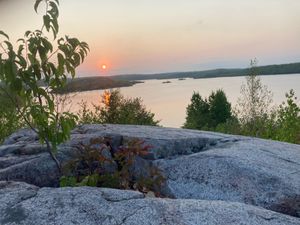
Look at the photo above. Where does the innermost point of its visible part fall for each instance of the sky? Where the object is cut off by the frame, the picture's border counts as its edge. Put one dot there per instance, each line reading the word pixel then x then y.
pixel 143 36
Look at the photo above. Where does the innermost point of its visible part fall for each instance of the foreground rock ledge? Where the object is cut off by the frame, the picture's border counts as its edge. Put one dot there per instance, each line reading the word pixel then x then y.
pixel 196 164
pixel 21 203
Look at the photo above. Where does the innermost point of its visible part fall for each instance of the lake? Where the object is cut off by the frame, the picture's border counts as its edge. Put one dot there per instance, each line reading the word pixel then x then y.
pixel 169 100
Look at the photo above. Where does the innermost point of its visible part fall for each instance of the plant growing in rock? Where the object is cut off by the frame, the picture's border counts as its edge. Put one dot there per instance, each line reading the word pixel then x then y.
pixel 30 74
pixel 98 164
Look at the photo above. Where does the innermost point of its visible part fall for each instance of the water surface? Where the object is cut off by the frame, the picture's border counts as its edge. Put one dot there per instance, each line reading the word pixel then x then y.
pixel 169 100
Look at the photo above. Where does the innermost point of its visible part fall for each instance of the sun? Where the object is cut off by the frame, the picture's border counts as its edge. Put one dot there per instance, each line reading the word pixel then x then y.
pixel 103 66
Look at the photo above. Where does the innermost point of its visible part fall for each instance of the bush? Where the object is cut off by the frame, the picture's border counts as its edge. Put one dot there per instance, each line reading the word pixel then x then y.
pixel 288 120
pixel 207 114
pixel 116 109
pixel 90 167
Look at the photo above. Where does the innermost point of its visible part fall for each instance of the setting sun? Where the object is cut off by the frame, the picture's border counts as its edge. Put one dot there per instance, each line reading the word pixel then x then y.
pixel 104 67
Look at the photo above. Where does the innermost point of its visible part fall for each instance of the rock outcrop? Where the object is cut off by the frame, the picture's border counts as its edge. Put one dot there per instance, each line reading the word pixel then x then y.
pixel 25 204
pixel 196 164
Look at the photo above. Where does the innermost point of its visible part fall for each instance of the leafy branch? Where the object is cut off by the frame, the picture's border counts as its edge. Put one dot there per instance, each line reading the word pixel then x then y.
pixel 36 69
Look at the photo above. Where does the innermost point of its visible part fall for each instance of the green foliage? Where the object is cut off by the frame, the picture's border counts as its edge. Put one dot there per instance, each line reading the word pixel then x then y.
pixel 288 120
pixel 231 126
pixel 207 114
pixel 219 108
pixel 116 109
pixel 10 119
pixel 254 104
pixel 89 167
pixel 197 113
pixel 37 62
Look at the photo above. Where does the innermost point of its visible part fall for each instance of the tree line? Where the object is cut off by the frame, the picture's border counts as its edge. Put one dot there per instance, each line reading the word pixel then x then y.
pixel 252 116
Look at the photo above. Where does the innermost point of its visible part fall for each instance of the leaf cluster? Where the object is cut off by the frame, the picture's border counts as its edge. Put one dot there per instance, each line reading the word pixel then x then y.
pixel 38 67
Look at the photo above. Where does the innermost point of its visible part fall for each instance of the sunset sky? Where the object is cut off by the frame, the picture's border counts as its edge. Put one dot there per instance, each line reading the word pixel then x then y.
pixel 143 36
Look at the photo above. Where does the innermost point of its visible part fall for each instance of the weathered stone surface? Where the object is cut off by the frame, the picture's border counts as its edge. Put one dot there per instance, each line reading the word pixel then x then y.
pixel 252 171
pixel 21 203
pixel 196 164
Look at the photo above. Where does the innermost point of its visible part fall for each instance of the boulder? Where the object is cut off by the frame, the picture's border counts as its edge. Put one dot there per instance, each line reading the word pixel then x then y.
pixel 21 203
pixel 196 164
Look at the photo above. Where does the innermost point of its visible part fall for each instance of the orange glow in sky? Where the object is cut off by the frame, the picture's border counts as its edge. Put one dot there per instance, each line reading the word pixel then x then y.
pixel 140 36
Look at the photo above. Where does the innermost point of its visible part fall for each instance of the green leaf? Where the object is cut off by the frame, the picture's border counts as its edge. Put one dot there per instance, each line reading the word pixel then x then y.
pixel 47 44
pixel 4 34
pixel 9 45
pixel 27 33
pixel 22 61
pixel 61 63
pixel 74 42
pixel 76 59
pixel 55 25
pixel 21 40
pixel 21 48
pixel 36 4
pixel 47 20
pixel 54 10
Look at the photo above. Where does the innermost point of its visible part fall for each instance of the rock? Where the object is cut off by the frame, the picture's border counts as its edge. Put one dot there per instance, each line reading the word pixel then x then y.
pixel 21 203
pixel 196 164
pixel 253 171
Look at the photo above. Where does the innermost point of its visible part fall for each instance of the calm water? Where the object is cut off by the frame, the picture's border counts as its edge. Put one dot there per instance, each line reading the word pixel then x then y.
pixel 168 101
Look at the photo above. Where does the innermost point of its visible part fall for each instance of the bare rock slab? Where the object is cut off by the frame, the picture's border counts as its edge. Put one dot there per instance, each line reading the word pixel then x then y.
pixel 25 204
pixel 196 164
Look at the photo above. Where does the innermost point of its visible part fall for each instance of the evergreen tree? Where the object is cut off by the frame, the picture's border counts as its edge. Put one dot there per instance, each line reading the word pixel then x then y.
pixel 207 114
pixel 219 108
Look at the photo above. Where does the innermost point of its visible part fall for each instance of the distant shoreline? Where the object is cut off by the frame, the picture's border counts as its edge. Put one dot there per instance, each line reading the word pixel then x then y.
pixel 81 84
pixel 281 69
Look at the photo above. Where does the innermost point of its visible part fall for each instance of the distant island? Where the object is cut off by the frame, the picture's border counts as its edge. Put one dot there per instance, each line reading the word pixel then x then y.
pixel 93 83
pixel 290 68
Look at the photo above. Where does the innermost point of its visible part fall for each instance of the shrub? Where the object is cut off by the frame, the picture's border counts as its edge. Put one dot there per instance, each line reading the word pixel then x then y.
pixel 116 109
pixel 90 167
pixel 288 120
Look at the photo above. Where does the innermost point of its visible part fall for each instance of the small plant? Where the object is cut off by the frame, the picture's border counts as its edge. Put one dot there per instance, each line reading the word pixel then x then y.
pixel 98 164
